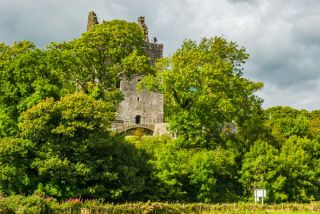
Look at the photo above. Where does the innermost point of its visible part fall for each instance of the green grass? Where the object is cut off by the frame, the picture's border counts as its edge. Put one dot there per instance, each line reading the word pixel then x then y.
pixel 37 204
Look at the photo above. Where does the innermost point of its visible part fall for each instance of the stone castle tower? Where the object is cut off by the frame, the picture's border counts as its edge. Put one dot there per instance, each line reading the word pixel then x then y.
pixel 139 109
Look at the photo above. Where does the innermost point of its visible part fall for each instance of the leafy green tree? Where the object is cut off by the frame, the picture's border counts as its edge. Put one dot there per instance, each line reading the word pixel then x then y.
pixel 211 176
pixel 289 174
pixel 284 122
pixel 25 79
pixel 299 158
pixel 97 60
pixel 204 88
pixel 76 155
pixel 189 174
pixel 16 176
pixel 260 169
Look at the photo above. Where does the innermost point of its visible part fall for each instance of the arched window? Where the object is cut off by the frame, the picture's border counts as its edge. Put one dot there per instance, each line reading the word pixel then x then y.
pixel 138 119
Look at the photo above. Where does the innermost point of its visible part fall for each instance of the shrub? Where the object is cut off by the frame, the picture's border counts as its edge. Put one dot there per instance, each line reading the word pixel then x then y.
pixel 24 205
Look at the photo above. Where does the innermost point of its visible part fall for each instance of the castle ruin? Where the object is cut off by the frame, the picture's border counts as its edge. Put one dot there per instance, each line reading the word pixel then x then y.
pixel 139 109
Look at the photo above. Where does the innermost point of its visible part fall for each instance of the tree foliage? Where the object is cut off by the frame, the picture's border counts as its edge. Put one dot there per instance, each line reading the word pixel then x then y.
pixel 16 176
pixel 66 151
pixel 57 106
pixel 97 60
pixel 205 89
pixel 289 174
pixel 181 174
pixel 25 79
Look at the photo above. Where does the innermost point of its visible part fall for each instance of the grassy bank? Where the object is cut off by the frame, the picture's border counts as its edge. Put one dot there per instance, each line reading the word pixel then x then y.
pixel 38 205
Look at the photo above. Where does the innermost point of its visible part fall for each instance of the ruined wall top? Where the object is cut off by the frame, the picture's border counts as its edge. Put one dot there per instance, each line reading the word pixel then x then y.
pixel 152 49
pixel 92 20
pixel 141 22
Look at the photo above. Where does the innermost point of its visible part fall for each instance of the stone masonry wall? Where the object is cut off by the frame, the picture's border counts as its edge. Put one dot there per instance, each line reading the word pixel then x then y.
pixel 144 104
pixel 92 20
pixel 147 104
pixel 154 51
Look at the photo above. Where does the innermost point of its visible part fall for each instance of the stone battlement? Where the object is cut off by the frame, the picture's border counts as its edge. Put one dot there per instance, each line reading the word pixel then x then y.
pixel 154 51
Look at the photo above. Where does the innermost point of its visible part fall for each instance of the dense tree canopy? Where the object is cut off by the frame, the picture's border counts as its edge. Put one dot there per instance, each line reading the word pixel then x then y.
pixel 289 174
pixel 67 151
pixel 57 106
pixel 25 79
pixel 97 60
pixel 190 174
pixel 61 145
pixel 204 89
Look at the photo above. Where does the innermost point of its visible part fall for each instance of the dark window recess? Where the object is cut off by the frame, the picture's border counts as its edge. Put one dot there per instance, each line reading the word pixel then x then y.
pixel 138 98
pixel 118 84
pixel 138 119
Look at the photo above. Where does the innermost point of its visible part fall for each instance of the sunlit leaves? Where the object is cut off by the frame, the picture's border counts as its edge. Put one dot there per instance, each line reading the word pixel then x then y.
pixel 110 51
pixel 25 79
pixel 204 89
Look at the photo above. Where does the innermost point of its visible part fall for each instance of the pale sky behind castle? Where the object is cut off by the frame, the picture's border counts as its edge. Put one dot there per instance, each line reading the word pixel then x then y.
pixel 281 36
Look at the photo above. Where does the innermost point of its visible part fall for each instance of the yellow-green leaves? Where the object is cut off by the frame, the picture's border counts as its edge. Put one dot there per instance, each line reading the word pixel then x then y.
pixel 71 115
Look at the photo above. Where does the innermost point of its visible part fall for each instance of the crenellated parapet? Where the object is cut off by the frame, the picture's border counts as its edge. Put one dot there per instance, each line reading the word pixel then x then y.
pixel 154 51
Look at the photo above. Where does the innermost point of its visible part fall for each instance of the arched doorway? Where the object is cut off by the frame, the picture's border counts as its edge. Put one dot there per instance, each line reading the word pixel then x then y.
pixel 138 130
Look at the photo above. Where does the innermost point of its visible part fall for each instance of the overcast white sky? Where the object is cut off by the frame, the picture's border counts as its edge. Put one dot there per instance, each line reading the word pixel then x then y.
pixel 281 36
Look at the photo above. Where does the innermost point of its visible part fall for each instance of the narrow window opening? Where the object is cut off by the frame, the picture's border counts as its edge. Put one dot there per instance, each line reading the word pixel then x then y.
pixel 118 84
pixel 138 119
pixel 138 98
